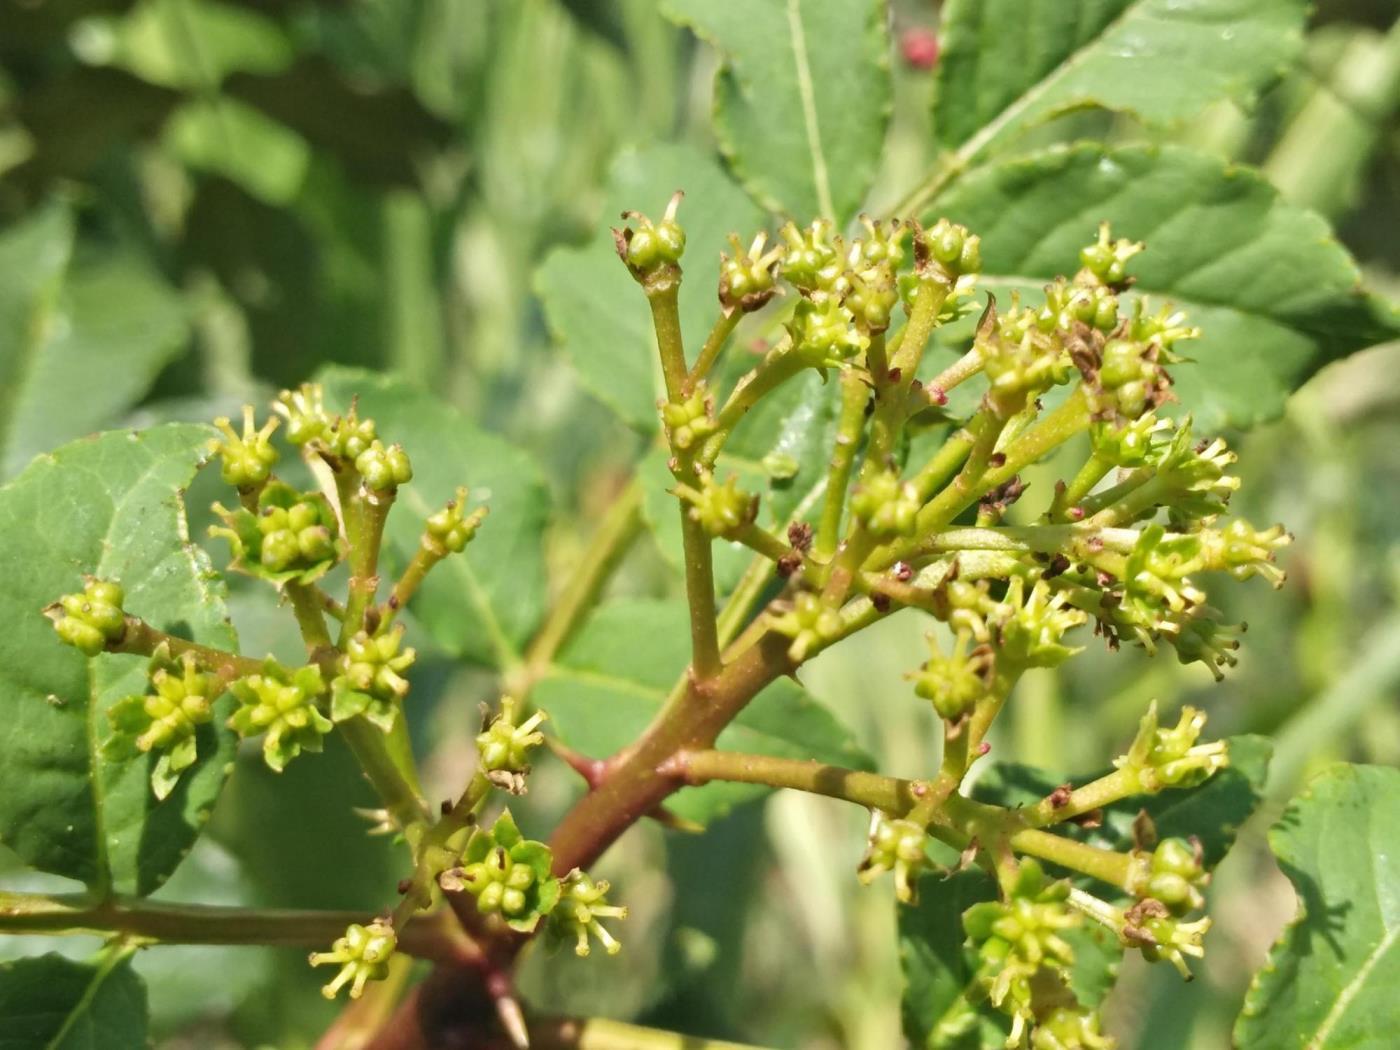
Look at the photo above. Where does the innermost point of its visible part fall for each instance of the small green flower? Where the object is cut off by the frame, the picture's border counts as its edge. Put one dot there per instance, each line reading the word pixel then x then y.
pixel 957 681
pixel 371 681
pixel 1244 551
pixel 305 412
pixel 652 247
pixel 505 746
pixel 719 509
pixel 810 623
pixel 886 505
pixel 166 720
pixel 948 251
pixel 813 261
pixel 90 620
pixel 348 436
pixel 746 279
pixel 900 846
pixel 1165 328
pixel 872 297
pixel 1107 260
pixel 582 903
pixel 282 704
pixel 1131 442
pixel 690 421
pixel 1164 758
pixel 1151 927
pixel 248 458
pixel 1194 475
pixel 825 335
pixel 1069 304
pixel 508 874
pixel 384 469
pixel 363 955
pixel 1035 622
pixel 294 535
pixel 450 530
pixel 1021 362
pixel 1127 380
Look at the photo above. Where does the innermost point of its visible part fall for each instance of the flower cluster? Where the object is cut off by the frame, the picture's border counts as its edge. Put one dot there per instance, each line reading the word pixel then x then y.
pixel 165 720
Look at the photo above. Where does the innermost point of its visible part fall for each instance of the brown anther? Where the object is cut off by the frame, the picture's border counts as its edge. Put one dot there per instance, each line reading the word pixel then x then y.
pixel 1090 820
pixel 894 375
pixel 404 886
pixel 445 807
pixel 902 571
pixel 997 459
pixel 788 564
pixel 393 602
pixel 799 534
pixel 881 601
pixel 1059 798
pixel 1058 564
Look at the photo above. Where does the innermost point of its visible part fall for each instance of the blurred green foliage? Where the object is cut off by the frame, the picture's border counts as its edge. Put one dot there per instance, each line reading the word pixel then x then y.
pixel 227 195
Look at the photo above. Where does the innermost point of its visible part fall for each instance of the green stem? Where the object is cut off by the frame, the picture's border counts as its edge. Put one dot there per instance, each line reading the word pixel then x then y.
pixel 700 596
pixel 714 346
pixel 664 299
pixel 599 1034
pixel 780 364
pixel 432 937
pixel 422 563
pixel 871 790
pixel 961 370
pixel 141 639
pixel 1116 869
pixel 605 549
pixel 308 608
pixel 855 395
pixel 368 511
pixel 761 541
pixel 395 788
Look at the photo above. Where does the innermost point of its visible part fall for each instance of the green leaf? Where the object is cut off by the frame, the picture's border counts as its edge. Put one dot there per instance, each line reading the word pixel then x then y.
pixel 615 674
pixel 53 1003
pixel 80 341
pixel 1274 293
pixel 109 506
pixel 1330 981
pixel 803 99
pixel 1006 65
pixel 600 314
pixel 484 603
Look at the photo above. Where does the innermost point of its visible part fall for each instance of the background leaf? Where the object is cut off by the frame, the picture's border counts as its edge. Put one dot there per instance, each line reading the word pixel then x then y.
pixel 109 506
pixel 608 683
pixel 599 313
pixel 482 604
pixel 53 1003
pixel 1007 64
pixel 1330 981
pixel 80 340
pixel 1274 294
pixel 802 101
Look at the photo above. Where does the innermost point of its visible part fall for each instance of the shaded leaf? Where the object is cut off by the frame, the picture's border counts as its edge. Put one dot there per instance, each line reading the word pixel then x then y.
pixel 485 603
pixel 1274 293
pixel 607 686
pixel 1005 65
pixel 109 506
pixel 802 101
pixel 80 341
pixel 53 1003
pixel 600 314
pixel 1330 981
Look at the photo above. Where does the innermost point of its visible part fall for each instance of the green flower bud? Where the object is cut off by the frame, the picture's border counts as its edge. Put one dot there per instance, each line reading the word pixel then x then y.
pixel 719 509
pixel 688 422
pixel 282 704
pixel 1195 477
pixel 166 720
pixel 362 954
pixel 370 681
pixel 1020 361
pixel 1070 1028
pixel 1128 381
pixel 349 436
pixel 305 412
pixel 886 506
pixel 947 251
pixel 505 746
pixel 450 529
pixel 1034 623
pixel 248 458
pixel 873 295
pixel 384 469
pixel 582 903
pixel 1164 758
pixel 1069 305
pixel 900 846
pixel 746 281
pixel 810 623
pixel 882 245
pixel 1163 329
pixel 824 335
pixel 508 874
pixel 294 535
pixel 1175 875
pixel 652 247
pixel 1106 260
pixel 90 620
pixel 1132 443
pixel 814 258
pixel 955 682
